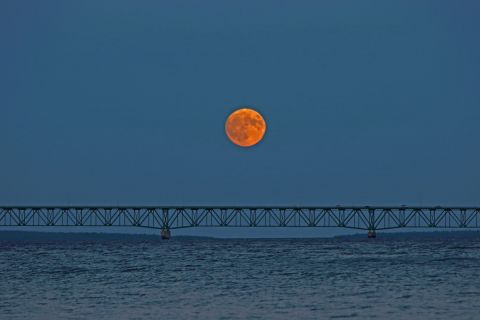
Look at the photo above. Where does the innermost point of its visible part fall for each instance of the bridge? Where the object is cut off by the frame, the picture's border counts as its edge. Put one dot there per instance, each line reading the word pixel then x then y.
pixel 166 219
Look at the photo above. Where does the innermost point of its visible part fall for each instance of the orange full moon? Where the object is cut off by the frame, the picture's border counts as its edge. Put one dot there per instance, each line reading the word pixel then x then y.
pixel 245 127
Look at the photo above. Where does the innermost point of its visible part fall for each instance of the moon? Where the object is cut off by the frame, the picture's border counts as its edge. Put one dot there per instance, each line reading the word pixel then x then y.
pixel 245 127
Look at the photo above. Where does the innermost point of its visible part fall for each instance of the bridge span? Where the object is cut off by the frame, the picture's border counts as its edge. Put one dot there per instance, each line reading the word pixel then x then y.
pixel 165 219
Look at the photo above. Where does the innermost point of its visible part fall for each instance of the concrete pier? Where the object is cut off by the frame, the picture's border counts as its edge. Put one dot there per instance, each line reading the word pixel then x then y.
pixel 166 234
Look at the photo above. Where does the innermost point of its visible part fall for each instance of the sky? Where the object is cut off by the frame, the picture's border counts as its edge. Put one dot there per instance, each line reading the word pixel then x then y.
pixel 114 102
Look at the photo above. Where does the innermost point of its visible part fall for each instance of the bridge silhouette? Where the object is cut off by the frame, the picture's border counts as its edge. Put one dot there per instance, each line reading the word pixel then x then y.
pixel 166 219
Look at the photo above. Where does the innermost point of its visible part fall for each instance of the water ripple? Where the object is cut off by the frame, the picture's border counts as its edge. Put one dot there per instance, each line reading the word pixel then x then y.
pixel 238 279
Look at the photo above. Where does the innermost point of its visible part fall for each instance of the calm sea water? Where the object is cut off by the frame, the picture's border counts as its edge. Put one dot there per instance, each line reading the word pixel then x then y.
pixel 237 279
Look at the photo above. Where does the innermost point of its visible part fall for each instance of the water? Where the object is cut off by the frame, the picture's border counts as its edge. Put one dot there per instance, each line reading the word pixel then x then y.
pixel 237 279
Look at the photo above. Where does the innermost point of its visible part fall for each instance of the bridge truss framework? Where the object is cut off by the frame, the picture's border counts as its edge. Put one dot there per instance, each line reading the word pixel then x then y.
pixel 167 218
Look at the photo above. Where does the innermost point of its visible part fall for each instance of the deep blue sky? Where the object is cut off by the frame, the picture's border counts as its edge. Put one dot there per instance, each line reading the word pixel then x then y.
pixel 124 102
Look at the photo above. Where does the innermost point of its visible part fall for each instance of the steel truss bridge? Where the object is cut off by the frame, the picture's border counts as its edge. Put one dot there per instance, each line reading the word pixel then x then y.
pixel 168 218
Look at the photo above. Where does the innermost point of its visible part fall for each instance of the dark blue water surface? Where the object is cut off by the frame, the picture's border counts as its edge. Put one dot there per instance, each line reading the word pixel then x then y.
pixel 235 279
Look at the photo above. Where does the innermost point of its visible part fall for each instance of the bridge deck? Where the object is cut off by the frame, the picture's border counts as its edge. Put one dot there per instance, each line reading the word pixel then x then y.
pixel 354 217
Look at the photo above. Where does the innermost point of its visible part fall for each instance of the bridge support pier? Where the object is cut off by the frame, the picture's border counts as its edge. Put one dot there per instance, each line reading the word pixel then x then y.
pixel 165 234
pixel 372 234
